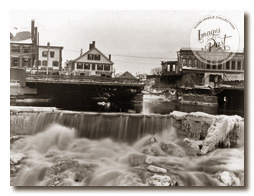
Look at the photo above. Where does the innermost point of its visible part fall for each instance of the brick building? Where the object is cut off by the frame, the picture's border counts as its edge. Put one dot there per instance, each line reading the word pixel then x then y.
pixel 213 73
pixel 188 70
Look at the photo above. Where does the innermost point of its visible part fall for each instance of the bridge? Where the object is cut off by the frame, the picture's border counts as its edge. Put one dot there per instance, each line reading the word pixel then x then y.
pixel 64 79
pixel 80 89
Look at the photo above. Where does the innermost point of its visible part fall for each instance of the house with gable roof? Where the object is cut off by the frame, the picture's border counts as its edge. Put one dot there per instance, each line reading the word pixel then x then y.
pixel 93 63
pixel 126 75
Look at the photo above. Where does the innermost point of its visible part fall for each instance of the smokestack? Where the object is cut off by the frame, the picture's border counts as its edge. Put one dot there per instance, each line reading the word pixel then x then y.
pixel 32 30
pixel 35 36
pixel 35 46
pixel 109 57
pixel 38 39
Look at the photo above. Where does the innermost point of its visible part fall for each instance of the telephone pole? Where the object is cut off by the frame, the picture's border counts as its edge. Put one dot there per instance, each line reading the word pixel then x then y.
pixel 48 44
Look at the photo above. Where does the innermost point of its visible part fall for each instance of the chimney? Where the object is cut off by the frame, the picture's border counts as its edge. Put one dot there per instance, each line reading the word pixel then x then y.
pixel 35 46
pixel 35 34
pixel 109 57
pixel 32 30
pixel 93 44
pixel 90 46
pixel 81 52
pixel 38 39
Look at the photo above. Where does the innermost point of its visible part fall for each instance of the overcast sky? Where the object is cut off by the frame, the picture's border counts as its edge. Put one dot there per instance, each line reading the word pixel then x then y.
pixel 137 40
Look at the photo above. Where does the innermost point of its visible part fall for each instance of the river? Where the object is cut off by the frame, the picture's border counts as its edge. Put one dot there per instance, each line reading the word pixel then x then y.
pixel 140 145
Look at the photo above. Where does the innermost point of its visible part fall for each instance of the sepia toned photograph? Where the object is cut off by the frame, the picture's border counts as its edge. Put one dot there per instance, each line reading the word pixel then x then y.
pixel 127 98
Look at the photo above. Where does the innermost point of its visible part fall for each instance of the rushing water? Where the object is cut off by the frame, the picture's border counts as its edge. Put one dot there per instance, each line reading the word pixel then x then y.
pixel 64 148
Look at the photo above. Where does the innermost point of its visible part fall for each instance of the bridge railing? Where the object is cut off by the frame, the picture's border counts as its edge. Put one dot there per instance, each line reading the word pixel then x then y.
pixel 80 79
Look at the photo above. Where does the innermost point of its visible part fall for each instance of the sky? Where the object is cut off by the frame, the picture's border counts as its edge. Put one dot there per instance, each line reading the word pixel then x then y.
pixel 137 40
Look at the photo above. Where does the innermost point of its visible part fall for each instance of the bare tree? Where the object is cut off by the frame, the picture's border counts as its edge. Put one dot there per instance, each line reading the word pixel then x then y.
pixel 156 71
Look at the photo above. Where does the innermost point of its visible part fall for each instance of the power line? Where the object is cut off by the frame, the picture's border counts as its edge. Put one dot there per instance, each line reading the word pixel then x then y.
pixel 136 62
pixel 143 57
pixel 127 56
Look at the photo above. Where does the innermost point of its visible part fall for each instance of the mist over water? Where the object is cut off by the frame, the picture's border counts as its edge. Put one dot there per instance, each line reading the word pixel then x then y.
pixel 95 149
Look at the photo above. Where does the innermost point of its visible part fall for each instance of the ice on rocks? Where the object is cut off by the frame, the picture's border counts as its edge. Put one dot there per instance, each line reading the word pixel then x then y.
pixel 155 169
pixel 159 180
pixel 16 158
pixel 227 178
pixel 218 133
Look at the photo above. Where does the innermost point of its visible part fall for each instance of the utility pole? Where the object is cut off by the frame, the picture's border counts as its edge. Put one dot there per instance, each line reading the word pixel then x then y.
pixel 48 44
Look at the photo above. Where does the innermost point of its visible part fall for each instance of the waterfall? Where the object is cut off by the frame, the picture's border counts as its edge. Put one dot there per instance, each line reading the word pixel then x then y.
pixel 117 126
pixel 63 148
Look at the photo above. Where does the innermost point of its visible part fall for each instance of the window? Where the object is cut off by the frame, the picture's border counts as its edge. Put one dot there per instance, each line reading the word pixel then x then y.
pixel 93 66
pixel 211 78
pixel 26 62
pixel 214 66
pixel 195 63
pixel 15 48
pixel 97 57
pixel 208 66
pixel 200 64
pixel 44 63
pixel 99 67
pixel 55 63
pixel 184 62
pixel 14 62
pixel 79 66
pixel 26 49
pixel 52 54
pixel 238 65
pixel 45 53
pixel 90 56
pixel 233 65
pixel 107 67
pixel 174 67
pixel 220 66
pixel 86 66
pixel 227 65
pixel 190 62
pixel 168 67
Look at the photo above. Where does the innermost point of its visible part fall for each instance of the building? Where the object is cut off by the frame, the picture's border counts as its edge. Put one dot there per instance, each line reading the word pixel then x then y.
pixel 170 68
pixel 189 71
pixel 214 73
pixel 50 60
pixel 126 75
pixel 23 48
pixel 26 53
pixel 171 73
pixel 93 63
pixel 21 55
